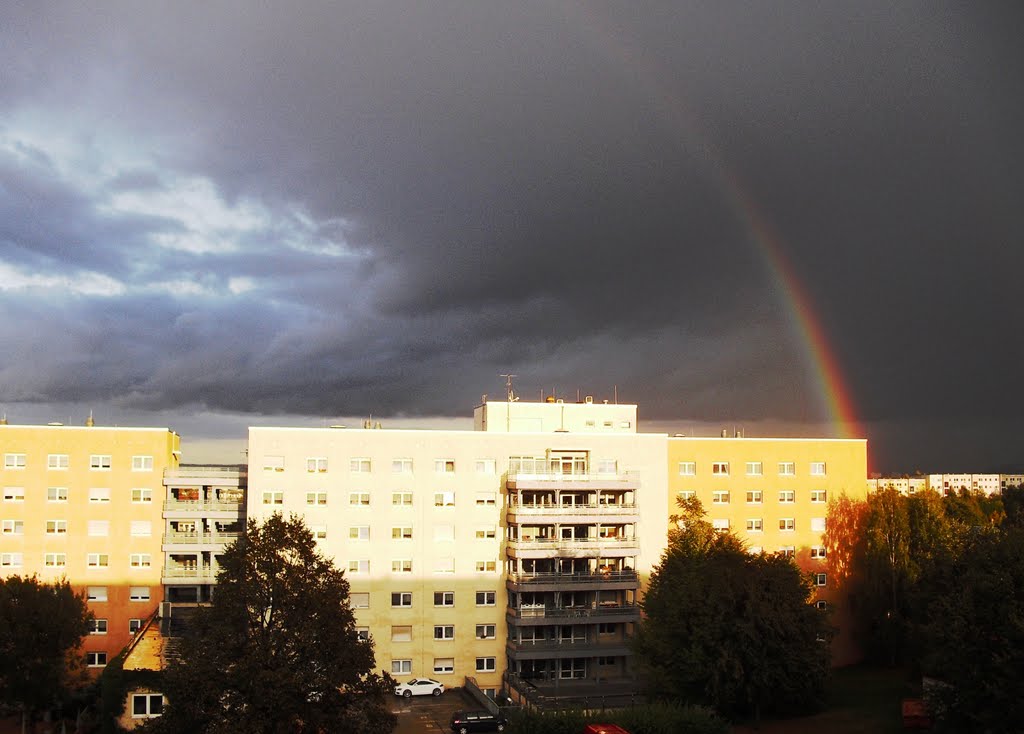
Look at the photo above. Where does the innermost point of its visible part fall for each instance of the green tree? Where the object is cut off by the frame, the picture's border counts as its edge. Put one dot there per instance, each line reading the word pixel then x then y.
pixel 277 651
pixel 41 629
pixel 731 629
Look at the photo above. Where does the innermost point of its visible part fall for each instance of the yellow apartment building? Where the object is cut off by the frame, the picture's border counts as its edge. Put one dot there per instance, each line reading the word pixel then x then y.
pixel 516 548
pixel 84 503
pixel 773 493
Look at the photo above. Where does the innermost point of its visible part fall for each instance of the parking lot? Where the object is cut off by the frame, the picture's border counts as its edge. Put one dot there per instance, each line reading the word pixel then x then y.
pixel 429 714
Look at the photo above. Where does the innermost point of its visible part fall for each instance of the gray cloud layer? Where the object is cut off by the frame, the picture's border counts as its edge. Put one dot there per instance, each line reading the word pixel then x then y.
pixel 338 209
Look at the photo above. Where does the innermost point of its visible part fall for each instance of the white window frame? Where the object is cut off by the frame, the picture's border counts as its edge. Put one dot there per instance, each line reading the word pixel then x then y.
pixel 755 525
pixel 56 527
pixel 787 524
pixel 97 560
pixel 358 566
pixel 444 632
pixel 99 495
pixel 444 466
pixel 485 466
pixel 486 532
pixel 58 462
pixel 720 469
pixel 140 560
pixel 316 498
pixel 444 499
pixel 55 560
pixel 139 593
pixel 821 579
pixel 755 497
pixel 818 553
pixel 755 468
pixel 401 666
pixel 486 499
pixel 687 468
pixel 98 528
pixel 359 599
pixel 273 462
pixel 98 626
pixel 489 598
pixel 817 468
pixel 57 494
pixel 787 496
pixel 273 497
pixel 720 524
pixel 142 463
pixel 444 565
pixel 360 465
pixel 787 468
pixel 100 462
pixel 14 461
pixel 14 494
pixel 819 496
pixel 359 499
pixel 401 633
pixel 96 659
pixel 404 599
pixel 401 499
pixel 486 566
pixel 401 466
pixel 12 560
pixel 401 565
pixel 486 664
pixel 818 524
pixel 316 464
pixel 686 494
pixel 447 598
pixel 721 497
pixel 96 593
pixel 142 495
pixel 359 533
pixel 13 527
pixel 401 532
pixel 148 698
pixel 444 666
pixel 486 631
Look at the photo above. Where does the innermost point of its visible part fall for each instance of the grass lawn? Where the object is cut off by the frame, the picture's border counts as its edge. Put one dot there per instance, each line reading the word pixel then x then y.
pixel 862 700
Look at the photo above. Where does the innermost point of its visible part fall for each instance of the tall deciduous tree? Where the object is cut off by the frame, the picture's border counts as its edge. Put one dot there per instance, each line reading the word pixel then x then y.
pixel 277 651
pixel 728 628
pixel 41 628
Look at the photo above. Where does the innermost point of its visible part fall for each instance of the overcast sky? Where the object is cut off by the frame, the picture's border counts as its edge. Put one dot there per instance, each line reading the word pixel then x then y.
pixel 221 214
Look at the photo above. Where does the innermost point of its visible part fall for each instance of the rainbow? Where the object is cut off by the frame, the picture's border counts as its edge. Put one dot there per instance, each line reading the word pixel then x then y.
pixel 834 395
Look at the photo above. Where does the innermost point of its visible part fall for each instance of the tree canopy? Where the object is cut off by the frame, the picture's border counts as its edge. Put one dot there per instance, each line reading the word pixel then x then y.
pixel 728 628
pixel 277 651
pixel 41 629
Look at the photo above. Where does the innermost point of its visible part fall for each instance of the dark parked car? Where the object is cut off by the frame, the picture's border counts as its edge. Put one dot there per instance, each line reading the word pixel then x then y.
pixel 464 722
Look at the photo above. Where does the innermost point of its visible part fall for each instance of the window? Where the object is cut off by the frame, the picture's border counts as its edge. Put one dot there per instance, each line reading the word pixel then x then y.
pixel 444 565
pixel 401 499
pixel 97 560
pixel 444 533
pixel 817 468
pixel 98 528
pixel 142 463
pixel 134 625
pixel 11 560
pixel 14 461
pixel 360 565
pixel 142 496
pixel 444 665
pixel 316 464
pixel 138 593
pixel 14 494
pixel 96 659
pixel 486 566
pixel 820 579
pixel 755 468
pixel 99 462
pixel 55 560
pixel 401 466
pixel 819 496
pixel 821 604
pixel 484 466
pixel 444 598
pixel 13 527
pixel 273 498
pixel 401 565
pixel 401 533
pixel 56 527
pixel 96 593
pixel 147 705
pixel 818 552
pixel 755 525
pixel 140 560
pixel 754 497
pixel 787 551
pixel 273 463
pixel 486 498
pixel 485 598
pixel 319 532
pixel 485 665
pixel 359 599
pixel 401 599
pixel 444 466
pixel 687 494
pixel 98 627
pixel 361 499
pixel 359 465
pixel 444 499
pixel 755 549
pixel 720 524
pixel 359 532
pixel 607 466
pixel 99 495
pixel 787 496
pixel 485 631
pixel 444 631
pixel 787 469
pixel 818 524
pixel 486 532
pixel 787 524
pixel 316 498
pixel 363 634
pixel 401 633
pixel 720 497
pixel 56 494
pixel 687 468
pixel 401 667
pixel 720 469
pixel 57 461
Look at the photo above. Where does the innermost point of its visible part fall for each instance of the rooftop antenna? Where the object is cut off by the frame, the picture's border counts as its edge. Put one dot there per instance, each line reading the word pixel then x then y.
pixel 508 386
pixel 615 388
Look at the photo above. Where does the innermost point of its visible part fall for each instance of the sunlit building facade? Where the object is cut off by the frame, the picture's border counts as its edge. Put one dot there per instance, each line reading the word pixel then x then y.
pixel 84 503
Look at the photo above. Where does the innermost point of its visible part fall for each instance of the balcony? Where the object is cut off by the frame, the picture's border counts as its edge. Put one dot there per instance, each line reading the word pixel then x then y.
pixel 572 547
pixel 209 506
pixel 609 580
pixel 574 648
pixel 580 513
pixel 581 480
pixel 542 614
pixel 187 574
pixel 193 539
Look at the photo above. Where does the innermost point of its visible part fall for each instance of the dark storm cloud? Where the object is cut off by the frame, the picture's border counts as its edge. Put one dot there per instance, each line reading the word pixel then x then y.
pixel 376 207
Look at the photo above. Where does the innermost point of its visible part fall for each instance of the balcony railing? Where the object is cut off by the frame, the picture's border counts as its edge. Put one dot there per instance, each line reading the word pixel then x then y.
pixel 568 644
pixel 568 579
pixel 591 508
pixel 570 543
pixel 189 572
pixel 201 538
pixel 581 477
pixel 203 505
pixel 552 612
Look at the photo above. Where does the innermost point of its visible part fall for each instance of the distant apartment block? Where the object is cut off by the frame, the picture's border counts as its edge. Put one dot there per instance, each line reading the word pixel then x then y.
pixel 83 503
pixel 944 484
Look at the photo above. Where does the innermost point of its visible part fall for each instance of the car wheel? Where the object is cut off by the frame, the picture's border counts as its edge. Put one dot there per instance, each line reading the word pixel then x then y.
pixel 437 691
pixel 407 693
pixel 463 730
pixel 501 727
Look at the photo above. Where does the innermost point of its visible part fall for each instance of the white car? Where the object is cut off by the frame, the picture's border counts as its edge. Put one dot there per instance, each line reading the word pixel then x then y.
pixel 419 687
